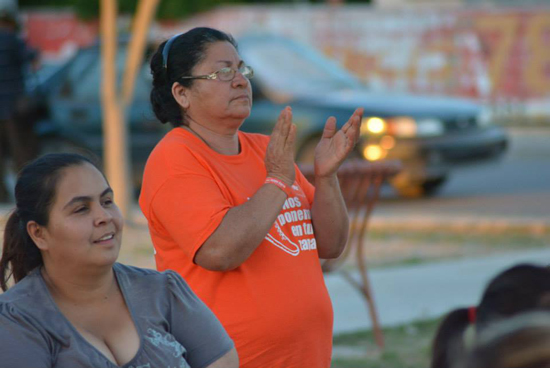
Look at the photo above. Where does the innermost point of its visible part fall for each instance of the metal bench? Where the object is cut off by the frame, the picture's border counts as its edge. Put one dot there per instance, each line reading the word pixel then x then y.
pixel 360 182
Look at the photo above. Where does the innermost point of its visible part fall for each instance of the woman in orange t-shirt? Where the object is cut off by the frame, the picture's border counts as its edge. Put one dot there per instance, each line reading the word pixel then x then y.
pixel 231 212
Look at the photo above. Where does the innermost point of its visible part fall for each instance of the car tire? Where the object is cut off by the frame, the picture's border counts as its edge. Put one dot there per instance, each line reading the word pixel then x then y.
pixel 427 188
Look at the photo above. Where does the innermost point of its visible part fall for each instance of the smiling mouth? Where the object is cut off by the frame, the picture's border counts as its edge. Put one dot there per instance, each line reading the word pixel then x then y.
pixel 105 238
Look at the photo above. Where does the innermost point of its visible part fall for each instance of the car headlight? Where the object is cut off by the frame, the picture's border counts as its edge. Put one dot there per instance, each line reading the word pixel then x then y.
pixel 484 117
pixel 402 127
pixel 373 125
pixel 374 152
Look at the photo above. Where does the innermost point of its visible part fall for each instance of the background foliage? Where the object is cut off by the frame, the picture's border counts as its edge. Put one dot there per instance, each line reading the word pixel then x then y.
pixel 168 9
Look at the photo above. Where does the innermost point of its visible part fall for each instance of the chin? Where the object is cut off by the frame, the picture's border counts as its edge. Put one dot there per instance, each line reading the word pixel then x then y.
pixel 111 256
pixel 110 260
pixel 242 113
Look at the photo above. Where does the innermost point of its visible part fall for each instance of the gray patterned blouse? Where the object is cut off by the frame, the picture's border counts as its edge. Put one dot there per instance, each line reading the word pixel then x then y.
pixel 176 329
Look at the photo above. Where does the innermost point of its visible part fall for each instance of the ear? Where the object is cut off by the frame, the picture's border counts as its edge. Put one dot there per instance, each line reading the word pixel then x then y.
pixel 180 94
pixel 37 234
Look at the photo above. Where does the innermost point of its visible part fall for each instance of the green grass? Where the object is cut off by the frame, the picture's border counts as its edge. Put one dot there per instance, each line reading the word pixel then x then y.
pixel 502 238
pixel 397 247
pixel 407 346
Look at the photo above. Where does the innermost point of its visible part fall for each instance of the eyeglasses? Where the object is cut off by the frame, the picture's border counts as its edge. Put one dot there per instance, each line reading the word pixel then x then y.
pixel 225 74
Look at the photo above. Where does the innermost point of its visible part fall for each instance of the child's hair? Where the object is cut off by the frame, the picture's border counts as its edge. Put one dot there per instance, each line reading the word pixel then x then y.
pixel 519 289
pixel 520 342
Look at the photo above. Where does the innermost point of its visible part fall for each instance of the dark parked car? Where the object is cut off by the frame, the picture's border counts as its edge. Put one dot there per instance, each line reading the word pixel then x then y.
pixel 74 122
pixel 428 134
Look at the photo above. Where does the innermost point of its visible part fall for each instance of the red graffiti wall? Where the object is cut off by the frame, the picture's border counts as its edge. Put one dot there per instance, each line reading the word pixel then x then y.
pixel 487 54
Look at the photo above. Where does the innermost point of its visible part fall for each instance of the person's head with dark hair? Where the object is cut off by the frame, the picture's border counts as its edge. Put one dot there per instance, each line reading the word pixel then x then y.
pixel 522 341
pixel 518 289
pixel 42 210
pixel 175 65
pixel 8 18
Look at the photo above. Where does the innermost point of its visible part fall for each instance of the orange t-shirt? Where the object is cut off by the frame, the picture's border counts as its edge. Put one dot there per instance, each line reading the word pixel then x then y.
pixel 275 306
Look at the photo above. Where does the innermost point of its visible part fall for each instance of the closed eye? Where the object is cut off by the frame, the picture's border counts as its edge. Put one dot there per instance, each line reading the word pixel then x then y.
pixel 225 71
pixel 80 209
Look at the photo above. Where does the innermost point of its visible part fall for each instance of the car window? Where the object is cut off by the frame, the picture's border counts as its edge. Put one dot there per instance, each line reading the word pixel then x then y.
pixel 84 77
pixel 77 69
pixel 285 68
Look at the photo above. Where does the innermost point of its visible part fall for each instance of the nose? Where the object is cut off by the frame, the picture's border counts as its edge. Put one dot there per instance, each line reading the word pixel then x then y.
pixel 239 80
pixel 102 216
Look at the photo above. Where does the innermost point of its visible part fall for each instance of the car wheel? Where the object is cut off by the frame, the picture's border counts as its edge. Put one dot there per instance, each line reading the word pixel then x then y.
pixel 427 188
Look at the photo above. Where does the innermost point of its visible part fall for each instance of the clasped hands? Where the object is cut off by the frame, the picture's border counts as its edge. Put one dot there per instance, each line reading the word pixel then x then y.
pixel 333 148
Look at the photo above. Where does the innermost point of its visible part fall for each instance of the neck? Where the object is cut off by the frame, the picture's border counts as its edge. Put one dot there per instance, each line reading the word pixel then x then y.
pixel 225 143
pixel 81 287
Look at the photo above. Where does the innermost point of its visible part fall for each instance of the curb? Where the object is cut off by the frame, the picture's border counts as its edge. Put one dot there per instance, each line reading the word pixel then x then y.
pixel 530 225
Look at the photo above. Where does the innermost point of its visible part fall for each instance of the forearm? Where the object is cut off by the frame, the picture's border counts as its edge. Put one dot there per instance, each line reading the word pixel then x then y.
pixel 330 218
pixel 242 230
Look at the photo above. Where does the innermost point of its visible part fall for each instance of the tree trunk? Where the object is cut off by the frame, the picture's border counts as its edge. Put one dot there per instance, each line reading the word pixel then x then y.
pixel 140 27
pixel 115 105
pixel 114 128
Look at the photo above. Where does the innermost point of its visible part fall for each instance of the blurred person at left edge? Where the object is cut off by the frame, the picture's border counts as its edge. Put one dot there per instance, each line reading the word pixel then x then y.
pixel 17 141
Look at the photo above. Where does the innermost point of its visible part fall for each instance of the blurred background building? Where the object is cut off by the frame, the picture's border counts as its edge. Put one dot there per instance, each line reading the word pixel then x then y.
pixel 383 3
pixel 494 51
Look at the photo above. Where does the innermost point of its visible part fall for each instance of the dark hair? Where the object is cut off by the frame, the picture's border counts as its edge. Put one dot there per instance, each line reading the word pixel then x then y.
pixel 8 17
pixel 518 289
pixel 520 342
pixel 186 51
pixel 34 195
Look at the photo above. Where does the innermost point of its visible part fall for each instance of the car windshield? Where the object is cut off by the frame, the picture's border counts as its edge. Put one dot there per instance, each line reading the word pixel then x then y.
pixel 288 68
pixel 84 77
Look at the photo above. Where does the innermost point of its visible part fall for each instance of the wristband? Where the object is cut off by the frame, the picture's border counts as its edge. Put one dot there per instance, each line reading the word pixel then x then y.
pixel 279 183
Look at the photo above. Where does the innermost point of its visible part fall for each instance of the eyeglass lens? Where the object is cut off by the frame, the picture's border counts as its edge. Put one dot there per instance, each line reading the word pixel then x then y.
pixel 227 74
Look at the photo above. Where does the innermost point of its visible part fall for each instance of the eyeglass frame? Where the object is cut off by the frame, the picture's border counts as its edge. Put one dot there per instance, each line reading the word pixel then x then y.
pixel 214 75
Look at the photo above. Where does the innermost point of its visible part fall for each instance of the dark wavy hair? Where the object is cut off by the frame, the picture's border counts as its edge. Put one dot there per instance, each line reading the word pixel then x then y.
pixel 34 195
pixel 520 342
pixel 186 51
pixel 519 289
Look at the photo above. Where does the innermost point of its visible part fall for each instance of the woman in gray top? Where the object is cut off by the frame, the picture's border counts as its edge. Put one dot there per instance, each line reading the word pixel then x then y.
pixel 72 305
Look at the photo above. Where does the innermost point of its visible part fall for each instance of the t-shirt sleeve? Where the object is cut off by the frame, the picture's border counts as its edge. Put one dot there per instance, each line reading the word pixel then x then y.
pixel 195 326
pixel 190 208
pixel 21 344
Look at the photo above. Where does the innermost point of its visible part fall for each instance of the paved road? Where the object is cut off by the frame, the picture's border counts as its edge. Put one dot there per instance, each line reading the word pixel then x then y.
pixel 404 294
pixel 517 187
